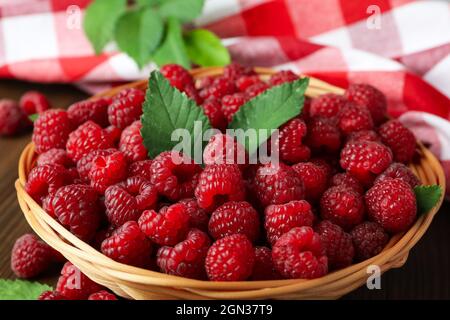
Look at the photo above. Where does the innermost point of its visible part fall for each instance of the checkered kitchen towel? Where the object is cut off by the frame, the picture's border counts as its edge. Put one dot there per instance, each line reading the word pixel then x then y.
pixel 400 46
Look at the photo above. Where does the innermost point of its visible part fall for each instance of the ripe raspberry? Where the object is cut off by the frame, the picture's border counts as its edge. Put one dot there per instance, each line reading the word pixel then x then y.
pixel 77 208
pixel 204 82
pixel 314 178
pixel 363 135
pixel 33 102
pixel 218 184
pixel 230 259
pixel 299 254
pixel 102 295
pixel 187 258
pixel 342 206
pixel 232 218
pixel 354 118
pixel 323 135
pixel 371 97
pixel 337 243
pixel 233 71
pixel 346 180
pixel 327 105
pixel 128 245
pixel 45 180
pixel 55 156
pixel 400 139
pixel 126 107
pixel 193 94
pixel 219 88
pixel 277 184
pixel 177 76
pixel 399 171
pixel 84 165
pixel 114 134
pixel 75 285
pixel 291 148
pixel 88 137
pixel 174 175
pixel 213 110
pixel 244 82
pixel 224 149
pixel 256 89
pixel 369 239
pixel 282 77
pixel 281 218
pixel 30 256
pixel 168 227
pixel 392 204
pixel 131 142
pixel 89 110
pixel 51 130
pixel 263 268
pixel 198 217
pixel 12 118
pixel 231 104
pixel 365 160
pixel 51 295
pixel 108 170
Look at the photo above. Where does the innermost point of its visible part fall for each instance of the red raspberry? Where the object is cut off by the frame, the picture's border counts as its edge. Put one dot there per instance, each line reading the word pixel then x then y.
pixel 177 76
pixel 55 156
pixel 365 160
pixel 277 184
pixel 213 110
pixel 219 88
pixel 327 105
pixel 244 82
pixel 127 200
pixel 126 107
pixel 392 204
pixel 168 227
pixel 314 177
pixel 51 130
pixel 174 175
pixel 108 170
pixel 256 89
pixel 193 94
pixel 198 217
pixel 128 245
pixel 281 218
pixel 372 98
pixel 45 180
pixel 346 180
pixel 337 243
pixel 230 259
pixel 12 119
pixel 299 254
pixel 263 268
pixel 326 164
pixel 218 184
pixel 323 135
pixel 77 208
pixel 363 135
pixel 30 256
pixel 231 104
pixel 75 285
pixel 204 82
pixel 234 70
pixel 187 258
pixel 140 168
pixel 342 206
pixel 400 139
pixel 399 171
pixel 33 102
pixel 369 239
pixel 51 295
pixel 232 218
pixel 354 118
pixel 132 144
pixel 89 110
pixel 114 134
pixel 102 295
pixel 291 148
pixel 282 77
pixel 84 165
pixel 88 137
pixel 224 149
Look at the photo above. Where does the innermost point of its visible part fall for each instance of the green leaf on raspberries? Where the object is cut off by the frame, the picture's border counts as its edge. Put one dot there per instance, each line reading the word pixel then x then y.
pixel 427 197
pixel 268 111
pixel 184 10
pixel 205 48
pixel 33 117
pixel 138 33
pixel 164 111
pixel 21 289
pixel 99 21
pixel 148 2
pixel 172 49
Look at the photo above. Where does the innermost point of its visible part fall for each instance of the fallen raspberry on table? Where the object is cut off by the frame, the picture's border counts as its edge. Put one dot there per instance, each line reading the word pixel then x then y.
pixel 33 102
pixel 126 107
pixel 346 180
pixel 323 135
pixel 51 295
pixel 108 170
pixel 102 295
pixel 12 118
pixel 55 156
pixel 213 110
pixel 291 146
pixel 224 149
pixel 89 110
pixel 400 139
pixel 84 165
pixel 399 171
pixel 353 118
pixel 51 130
pixel 370 97
pixel 177 76
pixel 369 239
pixel 314 178
pixel 219 88
pixel 75 285
pixel 264 268
pixel 140 168
pixel 45 180
pixel 327 105
pixel 131 142
pixel 198 217
pixel 231 104
pixel 282 77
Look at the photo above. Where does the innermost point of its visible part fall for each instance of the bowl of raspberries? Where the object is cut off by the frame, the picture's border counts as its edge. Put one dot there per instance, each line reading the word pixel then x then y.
pixel 346 194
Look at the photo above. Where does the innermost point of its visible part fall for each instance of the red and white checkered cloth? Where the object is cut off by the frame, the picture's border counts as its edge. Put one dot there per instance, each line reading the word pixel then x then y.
pixel 400 46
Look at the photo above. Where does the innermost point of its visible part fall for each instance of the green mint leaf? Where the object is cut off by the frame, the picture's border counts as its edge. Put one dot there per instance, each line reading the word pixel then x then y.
pixel 166 109
pixel 427 197
pixel 172 49
pixel 99 21
pixel 138 33
pixel 33 117
pixel 148 2
pixel 268 111
pixel 205 48
pixel 21 289
pixel 185 10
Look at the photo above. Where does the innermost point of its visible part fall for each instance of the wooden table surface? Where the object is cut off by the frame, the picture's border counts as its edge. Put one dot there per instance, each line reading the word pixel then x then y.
pixel 424 276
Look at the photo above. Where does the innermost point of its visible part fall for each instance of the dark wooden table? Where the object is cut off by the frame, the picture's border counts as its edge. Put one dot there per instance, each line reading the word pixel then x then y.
pixel 426 274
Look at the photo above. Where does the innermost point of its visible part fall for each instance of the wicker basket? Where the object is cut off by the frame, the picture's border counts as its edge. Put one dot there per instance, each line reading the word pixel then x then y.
pixel 136 283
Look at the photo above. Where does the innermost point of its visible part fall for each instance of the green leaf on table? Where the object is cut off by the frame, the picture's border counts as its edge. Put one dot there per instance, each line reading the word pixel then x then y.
pixel 172 49
pixel 165 110
pixel 33 117
pixel 21 289
pixel 205 48
pixel 427 197
pixel 184 10
pixel 138 33
pixel 268 111
pixel 99 21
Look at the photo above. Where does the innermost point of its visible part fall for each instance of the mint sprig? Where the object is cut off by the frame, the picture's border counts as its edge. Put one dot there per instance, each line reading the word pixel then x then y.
pixel 427 197
pixel 21 289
